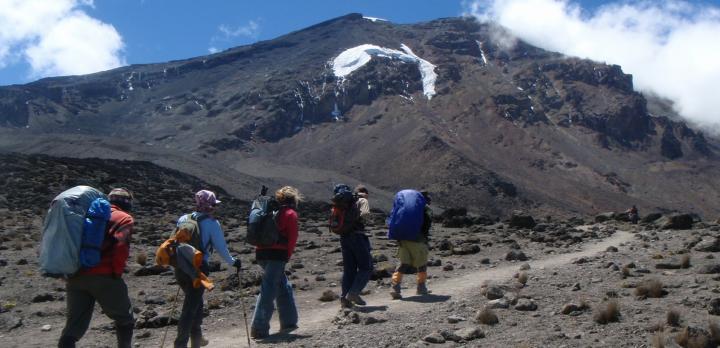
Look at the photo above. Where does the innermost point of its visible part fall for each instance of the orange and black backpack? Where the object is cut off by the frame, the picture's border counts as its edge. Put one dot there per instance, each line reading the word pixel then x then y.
pixel 344 214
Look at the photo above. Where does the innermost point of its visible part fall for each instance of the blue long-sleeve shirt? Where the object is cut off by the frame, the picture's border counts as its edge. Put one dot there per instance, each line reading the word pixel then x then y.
pixel 212 238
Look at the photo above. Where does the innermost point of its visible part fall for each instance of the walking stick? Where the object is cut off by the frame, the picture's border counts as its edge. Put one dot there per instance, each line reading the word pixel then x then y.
pixel 242 301
pixel 172 314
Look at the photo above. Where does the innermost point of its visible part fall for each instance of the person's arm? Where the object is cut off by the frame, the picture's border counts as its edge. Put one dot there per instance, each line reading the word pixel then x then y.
pixel 121 232
pixel 217 239
pixel 290 225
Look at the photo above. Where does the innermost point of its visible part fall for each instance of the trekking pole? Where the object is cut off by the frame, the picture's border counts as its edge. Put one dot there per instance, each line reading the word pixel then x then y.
pixel 242 301
pixel 172 314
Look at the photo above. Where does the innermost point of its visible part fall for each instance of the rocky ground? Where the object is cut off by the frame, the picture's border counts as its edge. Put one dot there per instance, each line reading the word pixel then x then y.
pixel 522 282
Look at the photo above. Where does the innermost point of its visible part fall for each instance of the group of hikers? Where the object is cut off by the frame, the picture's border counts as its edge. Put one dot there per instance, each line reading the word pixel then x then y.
pixel 96 274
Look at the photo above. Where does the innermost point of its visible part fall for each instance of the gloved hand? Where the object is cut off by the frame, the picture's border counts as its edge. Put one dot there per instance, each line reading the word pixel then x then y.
pixel 237 264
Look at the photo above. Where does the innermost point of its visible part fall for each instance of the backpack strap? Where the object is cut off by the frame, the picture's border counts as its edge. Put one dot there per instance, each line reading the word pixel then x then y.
pixel 198 217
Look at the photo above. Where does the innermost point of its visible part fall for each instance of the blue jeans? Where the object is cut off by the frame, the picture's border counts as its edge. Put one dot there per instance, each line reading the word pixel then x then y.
pixel 275 287
pixel 357 262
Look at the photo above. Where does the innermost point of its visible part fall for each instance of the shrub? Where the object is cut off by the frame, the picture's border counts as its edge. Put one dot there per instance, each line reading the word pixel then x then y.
pixel 650 288
pixel 714 332
pixel 523 278
pixel 607 312
pixel 658 340
pixel 487 316
pixel 625 271
pixel 673 318
pixel 141 258
pixel 685 261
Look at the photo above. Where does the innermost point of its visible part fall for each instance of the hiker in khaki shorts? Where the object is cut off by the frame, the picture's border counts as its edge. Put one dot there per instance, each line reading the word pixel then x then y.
pixel 413 255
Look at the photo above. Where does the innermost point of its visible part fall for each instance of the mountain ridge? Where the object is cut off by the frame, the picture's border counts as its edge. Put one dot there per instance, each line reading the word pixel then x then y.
pixel 510 127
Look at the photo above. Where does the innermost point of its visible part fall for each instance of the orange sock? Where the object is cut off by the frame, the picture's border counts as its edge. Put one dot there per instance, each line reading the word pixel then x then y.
pixel 421 277
pixel 397 278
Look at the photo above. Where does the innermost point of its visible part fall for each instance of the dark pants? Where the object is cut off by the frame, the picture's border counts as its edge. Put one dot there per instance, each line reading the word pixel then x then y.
pixel 191 317
pixel 82 292
pixel 357 262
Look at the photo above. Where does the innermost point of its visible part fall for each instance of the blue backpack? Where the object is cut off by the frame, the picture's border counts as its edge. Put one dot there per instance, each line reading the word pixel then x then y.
pixel 93 233
pixel 406 218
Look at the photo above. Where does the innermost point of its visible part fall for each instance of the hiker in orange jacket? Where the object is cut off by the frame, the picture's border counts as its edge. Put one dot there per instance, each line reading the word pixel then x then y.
pixel 103 283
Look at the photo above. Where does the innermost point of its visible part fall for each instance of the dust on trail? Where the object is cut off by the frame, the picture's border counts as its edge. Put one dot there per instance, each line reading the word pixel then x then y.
pixel 314 320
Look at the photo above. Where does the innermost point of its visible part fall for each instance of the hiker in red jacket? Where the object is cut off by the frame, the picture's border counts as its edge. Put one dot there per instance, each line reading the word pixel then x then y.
pixel 103 283
pixel 275 287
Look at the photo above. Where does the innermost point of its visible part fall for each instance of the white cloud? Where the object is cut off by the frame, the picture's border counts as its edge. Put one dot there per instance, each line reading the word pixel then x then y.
pixel 227 34
pixel 251 30
pixel 671 47
pixel 57 37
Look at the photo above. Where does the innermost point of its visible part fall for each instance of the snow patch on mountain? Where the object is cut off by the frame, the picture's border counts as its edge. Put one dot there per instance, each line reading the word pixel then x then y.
pixel 375 19
pixel 354 58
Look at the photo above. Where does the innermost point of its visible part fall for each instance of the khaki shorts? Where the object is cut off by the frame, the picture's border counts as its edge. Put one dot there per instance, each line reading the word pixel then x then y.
pixel 413 253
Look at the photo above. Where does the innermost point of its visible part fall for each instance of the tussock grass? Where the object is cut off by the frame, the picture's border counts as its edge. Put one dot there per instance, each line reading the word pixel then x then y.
pixel 487 316
pixel 141 258
pixel 607 312
pixel 650 288
pixel 523 278
pixel 685 261
pixel 673 317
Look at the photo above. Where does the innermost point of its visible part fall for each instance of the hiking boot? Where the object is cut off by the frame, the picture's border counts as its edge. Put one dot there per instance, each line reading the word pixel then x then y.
pixel 395 292
pixel 257 335
pixel 356 299
pixel 422 289
pixel 288 329
pixel 198 342
pixel 345 303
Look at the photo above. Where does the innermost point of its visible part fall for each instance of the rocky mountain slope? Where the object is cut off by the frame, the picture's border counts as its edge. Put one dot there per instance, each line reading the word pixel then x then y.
pixel 520 283
pixel 445 105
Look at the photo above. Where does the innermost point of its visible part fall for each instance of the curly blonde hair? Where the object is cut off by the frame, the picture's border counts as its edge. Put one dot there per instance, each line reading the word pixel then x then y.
pixel 288 195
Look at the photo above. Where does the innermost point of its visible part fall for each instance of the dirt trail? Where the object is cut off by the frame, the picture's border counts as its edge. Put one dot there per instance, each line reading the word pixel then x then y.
pixel 315 319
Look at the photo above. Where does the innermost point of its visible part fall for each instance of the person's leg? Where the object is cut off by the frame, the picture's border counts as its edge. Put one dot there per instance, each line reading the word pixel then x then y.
pixel 349 264
pixel 420 261
pixel 265 306
pixel 364 263
pixel 80 304
pixel 191 305
pixel 112 295
pixel 285 300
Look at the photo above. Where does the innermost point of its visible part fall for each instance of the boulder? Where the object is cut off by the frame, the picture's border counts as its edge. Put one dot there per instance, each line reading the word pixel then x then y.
pixel 516 255
pixel 709 246
pixel 329 296
pixel 435 337
pixel 709 269
pixel 675 222
pixel 714 306
pixel 521 220
pixel 526 304
pixel 470 333
pixel 150 270
pixel 500 303
pixel 651 217
pixel 494 292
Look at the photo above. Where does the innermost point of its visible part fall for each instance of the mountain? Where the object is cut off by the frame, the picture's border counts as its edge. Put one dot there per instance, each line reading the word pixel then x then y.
pixel 448 105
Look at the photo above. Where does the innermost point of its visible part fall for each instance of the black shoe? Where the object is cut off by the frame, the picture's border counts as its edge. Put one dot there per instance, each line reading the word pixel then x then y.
pixel 67 342
pixel 257 335
pixel 288 329
pixel 356 299
pixel 345 303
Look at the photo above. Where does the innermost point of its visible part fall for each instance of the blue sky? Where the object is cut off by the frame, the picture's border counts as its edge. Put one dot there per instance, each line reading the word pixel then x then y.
pixel 670 46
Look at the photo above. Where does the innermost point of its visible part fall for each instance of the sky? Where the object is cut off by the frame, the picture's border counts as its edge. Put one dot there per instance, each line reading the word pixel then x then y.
pixel 670 46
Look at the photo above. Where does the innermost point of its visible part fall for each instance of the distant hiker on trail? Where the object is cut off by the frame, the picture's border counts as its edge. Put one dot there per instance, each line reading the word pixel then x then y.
pixel 275 287
pixel 633 215
pixel 211 238
pixel 409 224
pixel 350 209
pixel 103 283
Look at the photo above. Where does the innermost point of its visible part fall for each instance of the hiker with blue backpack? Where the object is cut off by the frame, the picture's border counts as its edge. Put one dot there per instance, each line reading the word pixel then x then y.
pixel 273 229
pixel 208 238
pixel 409 224
pixel 101 283
pixel 347 218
